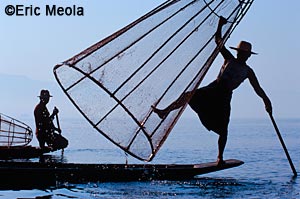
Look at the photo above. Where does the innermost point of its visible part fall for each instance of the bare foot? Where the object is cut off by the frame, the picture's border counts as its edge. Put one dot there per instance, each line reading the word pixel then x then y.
pixel 162 114
pixel 220 162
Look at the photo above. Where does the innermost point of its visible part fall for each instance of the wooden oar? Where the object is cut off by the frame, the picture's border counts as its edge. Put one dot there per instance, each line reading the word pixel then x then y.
pixel 58 126
pixel 283 145
pixel 57 121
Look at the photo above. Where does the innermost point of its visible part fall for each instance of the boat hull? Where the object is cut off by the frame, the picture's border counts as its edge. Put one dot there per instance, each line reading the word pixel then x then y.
pixel 22 152
pixel 32 174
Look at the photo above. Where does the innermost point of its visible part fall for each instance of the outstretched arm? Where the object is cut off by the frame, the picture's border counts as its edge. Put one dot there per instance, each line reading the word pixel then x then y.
pixel 218 35
pixel 259 91
pixel 218 39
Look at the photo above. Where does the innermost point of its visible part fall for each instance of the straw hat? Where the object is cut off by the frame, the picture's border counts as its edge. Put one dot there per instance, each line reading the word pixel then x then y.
pixel 244 46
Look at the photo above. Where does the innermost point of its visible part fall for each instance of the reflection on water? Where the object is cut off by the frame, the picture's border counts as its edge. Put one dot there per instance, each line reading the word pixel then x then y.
pixel 53 158
pixel 198 188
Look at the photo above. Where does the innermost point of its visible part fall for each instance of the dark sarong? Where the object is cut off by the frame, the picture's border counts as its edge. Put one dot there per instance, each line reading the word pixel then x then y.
pixel 212 104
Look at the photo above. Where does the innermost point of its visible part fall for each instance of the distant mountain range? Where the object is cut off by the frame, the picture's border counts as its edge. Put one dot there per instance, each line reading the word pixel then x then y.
pixel 19 96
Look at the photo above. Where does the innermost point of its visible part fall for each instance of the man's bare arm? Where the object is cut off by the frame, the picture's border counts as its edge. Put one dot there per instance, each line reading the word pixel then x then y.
pixel 218 39
pixel 259 91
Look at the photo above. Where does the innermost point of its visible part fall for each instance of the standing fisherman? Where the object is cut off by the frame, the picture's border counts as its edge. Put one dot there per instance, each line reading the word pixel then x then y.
pixel 212 102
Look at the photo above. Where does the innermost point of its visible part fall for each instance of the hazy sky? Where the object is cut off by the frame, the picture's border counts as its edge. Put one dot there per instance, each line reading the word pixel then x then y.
pixel 32 45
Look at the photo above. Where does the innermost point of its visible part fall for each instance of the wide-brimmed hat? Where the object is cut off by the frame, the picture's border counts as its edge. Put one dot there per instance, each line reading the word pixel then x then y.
pixel 44 94
pixel 244 46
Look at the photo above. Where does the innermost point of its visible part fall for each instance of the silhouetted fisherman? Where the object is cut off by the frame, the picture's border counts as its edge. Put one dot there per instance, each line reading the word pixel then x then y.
pixel 45 129
pixel 212 102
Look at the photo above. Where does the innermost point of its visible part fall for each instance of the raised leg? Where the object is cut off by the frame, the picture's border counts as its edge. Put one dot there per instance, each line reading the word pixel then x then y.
pixel 163 113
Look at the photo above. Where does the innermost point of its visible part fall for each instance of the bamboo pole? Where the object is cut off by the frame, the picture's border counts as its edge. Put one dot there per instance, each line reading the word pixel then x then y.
pixel 283 145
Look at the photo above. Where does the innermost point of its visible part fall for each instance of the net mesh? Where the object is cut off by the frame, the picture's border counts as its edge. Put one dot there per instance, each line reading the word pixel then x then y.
pixel 13 132
pixel 152 61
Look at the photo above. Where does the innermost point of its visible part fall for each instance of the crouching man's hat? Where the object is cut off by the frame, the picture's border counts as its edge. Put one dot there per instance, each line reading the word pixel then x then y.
pixel 45 94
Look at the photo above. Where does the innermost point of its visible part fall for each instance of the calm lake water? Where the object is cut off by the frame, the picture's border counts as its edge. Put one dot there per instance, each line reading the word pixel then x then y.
pixel 265 174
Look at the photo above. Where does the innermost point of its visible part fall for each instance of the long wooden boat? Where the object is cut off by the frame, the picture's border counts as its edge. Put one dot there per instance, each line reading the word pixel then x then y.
pixel 38 174
pixel 21 152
